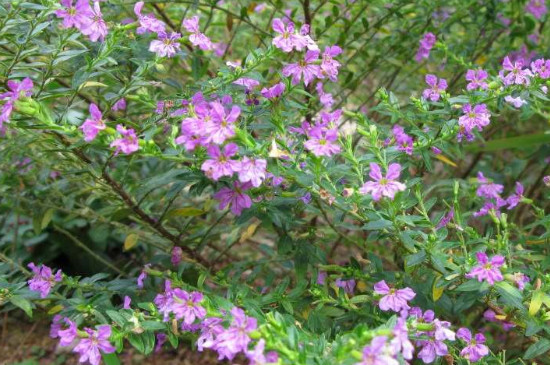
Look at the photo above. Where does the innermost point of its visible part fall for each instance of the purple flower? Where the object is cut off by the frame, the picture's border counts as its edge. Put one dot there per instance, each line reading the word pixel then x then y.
pixel 475 349
pixel 287 40
pixel 252 170
pixel 211 327
pixel 88 348
pixel 487 270
pixel 520 279
pixel 476 79
pixel 74 15
pixel 147 23
pixel 515 198
pixel 43 279
pixel 66 336
pixel 127 302
pixel 403 140
pixel 234 197
pixel 488 189
pixel 541 68
pixel 95 28
pixel 537 8
pixel 431 349
pixel 491 316
pixel 446 219
pixel 325 98
pixel 377 353
pixel 220 163
pixel 400 342
pixel 436 87
pixel 546 180
pixel 161 339
pixel 177 254
pixel 222 123
pixel 257 356
pixel 491 205
pixel 476 117
pixel 164 301
pixel 322 141
pixel 274 91
pixel 91 127
pixel 17 91
pixel 235 338
pixel 426 44
pixel 247 82
pixel 321 277
pixel 306 69
pixel 306 198
pixel 196 38
pixel 167 45
pixel 347 285
pixel 329 66
pixel 119 105
pixel 517 102
pixel 516 74
pixel 442 331
pixel 394 299
pixel 128 144
pixel 186 305
pixel 386 186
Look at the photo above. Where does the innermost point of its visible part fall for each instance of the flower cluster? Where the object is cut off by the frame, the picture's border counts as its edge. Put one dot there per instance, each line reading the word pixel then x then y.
pixel 491 193
pixel 426 44
pixel 88 20
pixel 43 279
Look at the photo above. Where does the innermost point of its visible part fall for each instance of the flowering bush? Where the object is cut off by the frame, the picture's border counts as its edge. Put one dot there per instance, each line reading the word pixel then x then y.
pixel 301 182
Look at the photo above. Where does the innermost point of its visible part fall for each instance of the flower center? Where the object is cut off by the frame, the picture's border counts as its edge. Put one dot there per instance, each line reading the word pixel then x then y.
pixel 384 181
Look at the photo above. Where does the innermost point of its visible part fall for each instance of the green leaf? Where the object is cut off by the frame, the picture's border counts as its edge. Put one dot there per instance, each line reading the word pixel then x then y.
pixel 153 325
pixel 110 359
pixel 377 225
pixel 509 294
pixel 185 212
pixel 512 142
pixel 415 258
pixel 537 349
pixel 22 303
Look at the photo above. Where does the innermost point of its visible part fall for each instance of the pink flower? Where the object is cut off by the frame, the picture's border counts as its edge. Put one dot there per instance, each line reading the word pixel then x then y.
pixel 128 144
pixel 487 270
pixel 476 79
pixel 274 91
pixel 537 8
pixel 43 280
pixel 403 140
pixel 329 66
pixel 222 123
pixel 235 339
pixel 516 74
pixel 167 45
pixel 306 69
pixel 322 141
pixel 95 28
pixel 517 102
pixel 541 67
pixel 436 88
pixel 197 38
pixel 186 305
pixel 74 15
pixel 515 198
pixel 475 348
pixel 17 91
pixel 287 40
pixel 394 299
pixel 119 105
pixel 89 348
pixel 91 127
pixel 383 186
pixel 476 117
pixel 257 356
pixel 234 197
pixel 147 23
pixel 378 353
pixel 426 44
pixel 220 163
pixel 252 170
pixel 488 189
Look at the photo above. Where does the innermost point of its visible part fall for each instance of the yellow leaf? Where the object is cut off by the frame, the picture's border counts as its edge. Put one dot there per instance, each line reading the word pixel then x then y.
pixel 130 241
pixel 445 160
pixel 361 286
pixel 56 309
pixel 92 84
pixel 436 291
pixel 249 231
pixel 185 212
pixel 536 302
